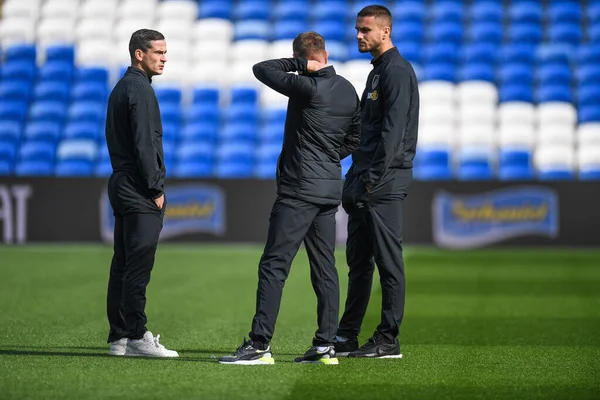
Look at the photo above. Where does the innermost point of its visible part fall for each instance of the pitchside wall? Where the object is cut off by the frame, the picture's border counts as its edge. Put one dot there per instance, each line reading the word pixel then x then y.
pixel 446 214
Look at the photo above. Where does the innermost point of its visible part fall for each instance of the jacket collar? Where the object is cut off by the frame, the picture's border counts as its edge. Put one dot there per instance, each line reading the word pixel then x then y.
pixel 326 72
pixel 385 56
pixel 139 72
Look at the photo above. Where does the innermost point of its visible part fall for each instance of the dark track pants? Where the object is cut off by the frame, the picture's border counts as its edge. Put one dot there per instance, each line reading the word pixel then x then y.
pixel 375 234
pixel 293 221
pixel 137 228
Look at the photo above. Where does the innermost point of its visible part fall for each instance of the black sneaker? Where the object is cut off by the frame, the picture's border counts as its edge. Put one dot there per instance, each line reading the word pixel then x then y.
pixel 342 349
pixel 247 354
pixel 314 356
pixel 377 347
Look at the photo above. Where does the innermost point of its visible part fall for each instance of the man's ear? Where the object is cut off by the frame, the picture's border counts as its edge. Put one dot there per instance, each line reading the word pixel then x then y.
pixel 326 57
pixel 293 55
pixel 139 55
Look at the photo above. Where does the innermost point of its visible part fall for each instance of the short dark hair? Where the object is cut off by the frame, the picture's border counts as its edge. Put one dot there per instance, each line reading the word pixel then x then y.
pixel 377 11
pixel 141 39
pixel 308 43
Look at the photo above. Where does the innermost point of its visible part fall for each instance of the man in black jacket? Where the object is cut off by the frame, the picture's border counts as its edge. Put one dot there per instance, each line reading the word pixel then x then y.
pixel 136 193
pixel 376 186
pixel 322 128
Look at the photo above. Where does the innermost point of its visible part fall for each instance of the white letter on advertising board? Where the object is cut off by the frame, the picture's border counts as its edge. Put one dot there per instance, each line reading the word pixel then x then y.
pixel 6 215
pixel 21 193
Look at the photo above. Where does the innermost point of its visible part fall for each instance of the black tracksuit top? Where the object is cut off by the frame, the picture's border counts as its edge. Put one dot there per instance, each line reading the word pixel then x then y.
pixel 322 127
pixel 389 118
pixel 134 132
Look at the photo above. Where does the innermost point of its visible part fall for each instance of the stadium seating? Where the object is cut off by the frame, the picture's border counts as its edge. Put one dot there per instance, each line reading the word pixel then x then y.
pixel 509 90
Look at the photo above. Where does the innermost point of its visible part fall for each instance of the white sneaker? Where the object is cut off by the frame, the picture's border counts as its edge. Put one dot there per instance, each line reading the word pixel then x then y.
pixel 117 348
pixel 148 346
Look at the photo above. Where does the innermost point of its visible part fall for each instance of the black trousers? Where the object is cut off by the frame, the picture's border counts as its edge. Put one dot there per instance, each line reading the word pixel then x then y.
pixel 138 223
pixel 375 234
pixel 293 221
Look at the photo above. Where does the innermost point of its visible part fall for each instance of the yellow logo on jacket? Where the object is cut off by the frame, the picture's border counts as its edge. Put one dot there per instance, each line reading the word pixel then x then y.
pixel 372 95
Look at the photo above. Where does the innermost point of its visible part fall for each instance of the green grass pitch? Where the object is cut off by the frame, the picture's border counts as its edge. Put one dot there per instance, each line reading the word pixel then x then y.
pixel 510 324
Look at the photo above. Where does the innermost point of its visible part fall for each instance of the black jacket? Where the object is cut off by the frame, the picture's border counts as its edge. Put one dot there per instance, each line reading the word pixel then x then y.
pixel 322 127
pixel 134 133
pixel 389 120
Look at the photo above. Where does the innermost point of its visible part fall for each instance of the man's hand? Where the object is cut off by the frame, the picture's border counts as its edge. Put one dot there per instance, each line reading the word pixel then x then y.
pixel 314 66
pixel 160 201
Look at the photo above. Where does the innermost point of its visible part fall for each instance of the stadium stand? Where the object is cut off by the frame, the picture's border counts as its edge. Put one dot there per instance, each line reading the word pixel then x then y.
pixel 510 90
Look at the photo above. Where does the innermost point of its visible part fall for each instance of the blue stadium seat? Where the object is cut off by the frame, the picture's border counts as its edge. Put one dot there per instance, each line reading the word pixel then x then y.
pixel 477 72
pixel 47 131
pixel 20 52
pixel 589 54
pixel 92 74
pixel 554 92
pixel 206 95
pixel 271 133
pixel 409 50
pixel 433 164
pixel 486 11
pixel 485 32
pixel 475 170
pixel 252 10
pixel 292 11
pixel 352 8
pixel 273 116
pixel 8 151
pixel 252 29
pixel 61 53
pixel 521 53
pixel 268 152
pixel 89 91
pixel 569 33
pixel 103 169
pixel 515 92
pixel 239 132
pixel 170 113
pixel 592 174
pixel 593 13
pixel 233 170
pixel 215 9
pixel 330 30
pixel 13 111
pixel 52 91
pixel 19 71
pixel 329 11
pixel 564 11
pixel 554 53
pixel 196 151
pixel 525 12
pixel 37 151
pixel 193 169
pixel 588 73
pixel 200 132
pixel 244 95
pixel 408 11
pixel 553 73
pixel 246 113
pixel 15 91
pixel 515 165
pixel 447 11
pixel 589 94
pixel 440 72
pixel 236 152
pixel 265 170
pixel 33 168
pixel 481 53
pixel 441 53
pixel 82 130
pixel 48 111
pixel 413 31
pixel 87 111
pixel 516 74
pixel 74 168
pixel 556 175
pixel 354 54
pixel 525 33
pixel 447 32
pixel 168 95
pixel 10 131
pixel 337 51
pixel 203 113
pixel 288 30
pixel 171 131
pixel 6 168
pixel 57 71
pixel 433 173
pixel 589 113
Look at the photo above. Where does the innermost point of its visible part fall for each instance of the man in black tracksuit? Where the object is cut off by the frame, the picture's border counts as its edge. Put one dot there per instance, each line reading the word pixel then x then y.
pixel 376 186
pixel 136 194
pixel 322 128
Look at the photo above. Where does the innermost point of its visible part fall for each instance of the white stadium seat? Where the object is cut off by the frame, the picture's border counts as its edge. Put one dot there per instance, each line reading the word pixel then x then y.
pixel 29 9
pixel 437 92
pixel 250 51
pixel 79 148
pixel 441 113
pixel 124 28
pixel 479 135
pixel 553 157
pixel 516 136
pixel 95 52
pixel 175 74
pixel 516 112
pixel 209 73
pixel 271 99
pixel 56 30
pixel 209 50
pixel 17 30
pixel 357 71
pixel 213 28
pixel 280 49
pixel 476 92
pixel 106 9
pixel 588 134
pixel 91 28
pixel 241 73
pixel 183 10
pixel 588 158
pixel 60 9
pixel 556 134
pixel 137 9
pixel 435 135
pixel 483 113
pixel 174 29
pixel 556 113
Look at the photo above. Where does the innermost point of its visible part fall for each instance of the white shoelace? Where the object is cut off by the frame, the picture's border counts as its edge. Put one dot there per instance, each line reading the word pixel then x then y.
pixel 156 343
